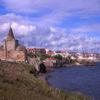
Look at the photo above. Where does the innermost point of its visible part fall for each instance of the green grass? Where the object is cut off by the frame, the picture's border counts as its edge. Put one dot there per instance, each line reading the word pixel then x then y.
pixel 16 83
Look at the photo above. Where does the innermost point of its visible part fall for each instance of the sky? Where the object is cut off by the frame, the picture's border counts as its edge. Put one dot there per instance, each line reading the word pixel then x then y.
pixel 72 25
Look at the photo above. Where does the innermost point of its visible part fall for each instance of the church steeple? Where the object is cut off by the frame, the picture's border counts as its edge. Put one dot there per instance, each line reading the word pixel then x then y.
pixel 10 34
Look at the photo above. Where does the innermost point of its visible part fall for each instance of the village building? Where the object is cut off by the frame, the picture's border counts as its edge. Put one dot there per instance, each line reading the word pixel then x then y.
pixel 36 50
pixel 11 50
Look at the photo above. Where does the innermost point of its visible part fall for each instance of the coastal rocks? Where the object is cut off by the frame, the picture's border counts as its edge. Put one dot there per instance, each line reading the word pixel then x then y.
pixel 50 62
pixel 35 62
pixel 42 68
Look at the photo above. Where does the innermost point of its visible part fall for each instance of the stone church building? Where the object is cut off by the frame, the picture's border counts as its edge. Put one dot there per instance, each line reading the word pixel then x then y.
pixel 11 50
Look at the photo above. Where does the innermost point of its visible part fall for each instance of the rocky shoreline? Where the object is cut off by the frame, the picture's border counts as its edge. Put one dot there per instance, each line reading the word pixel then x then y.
pixel 44 78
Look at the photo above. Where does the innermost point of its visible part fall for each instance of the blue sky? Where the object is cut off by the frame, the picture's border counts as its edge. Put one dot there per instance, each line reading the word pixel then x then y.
pixel 55 24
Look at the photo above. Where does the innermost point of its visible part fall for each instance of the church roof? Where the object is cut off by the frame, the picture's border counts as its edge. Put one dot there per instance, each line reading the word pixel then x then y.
pixel 10 34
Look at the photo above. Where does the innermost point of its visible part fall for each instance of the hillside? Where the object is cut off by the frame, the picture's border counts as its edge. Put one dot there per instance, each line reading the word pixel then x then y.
pixel 17 83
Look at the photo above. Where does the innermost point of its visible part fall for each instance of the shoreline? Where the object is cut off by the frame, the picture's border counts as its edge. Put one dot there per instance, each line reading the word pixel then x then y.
pixel 79 66
pixel 44 78
pixel 17 82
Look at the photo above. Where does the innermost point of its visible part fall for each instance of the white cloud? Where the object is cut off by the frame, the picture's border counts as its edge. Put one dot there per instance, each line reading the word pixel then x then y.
pixel 56 5
pixel 56 10
pixel 4 27
pixel 42 31
pixel 22 29
pixel 87 28
pixel 45 37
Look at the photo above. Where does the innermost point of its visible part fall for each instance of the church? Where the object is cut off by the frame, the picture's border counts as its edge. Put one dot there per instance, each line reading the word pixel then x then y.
pixel 11 50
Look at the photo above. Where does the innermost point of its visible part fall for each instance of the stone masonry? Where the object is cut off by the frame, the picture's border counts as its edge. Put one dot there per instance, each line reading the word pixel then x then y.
pixel 11 50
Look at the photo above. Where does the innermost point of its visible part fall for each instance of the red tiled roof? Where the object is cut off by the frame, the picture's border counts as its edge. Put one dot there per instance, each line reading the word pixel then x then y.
pixel 50 53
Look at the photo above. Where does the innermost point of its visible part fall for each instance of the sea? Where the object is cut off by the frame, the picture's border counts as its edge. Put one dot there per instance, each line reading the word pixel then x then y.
pixel 82 79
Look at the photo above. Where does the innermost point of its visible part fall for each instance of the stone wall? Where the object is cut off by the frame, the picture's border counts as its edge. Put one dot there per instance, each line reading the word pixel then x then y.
pixel 13 55
pixel 2 56
pixel 10 45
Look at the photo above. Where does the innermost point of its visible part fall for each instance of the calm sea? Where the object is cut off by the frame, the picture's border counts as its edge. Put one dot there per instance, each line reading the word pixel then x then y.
pixel 78 79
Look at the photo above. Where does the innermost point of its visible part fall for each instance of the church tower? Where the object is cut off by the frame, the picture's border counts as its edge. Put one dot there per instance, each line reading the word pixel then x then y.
pixel 12 50
pixel 10 42
pixel 10 34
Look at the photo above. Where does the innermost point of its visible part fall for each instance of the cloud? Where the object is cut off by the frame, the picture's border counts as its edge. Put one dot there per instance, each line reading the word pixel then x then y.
pixel 87 28
pixel 21 29
pixel 65 5
pixel 53 11
pixel 36 23
pixel 11 17
pixel 48 37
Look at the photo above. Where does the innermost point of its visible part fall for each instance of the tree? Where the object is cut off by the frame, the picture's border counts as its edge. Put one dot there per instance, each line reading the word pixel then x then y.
pixel 69 60
pixel 59 57
pixel 44 56
pixel 40 55
pixel 31 55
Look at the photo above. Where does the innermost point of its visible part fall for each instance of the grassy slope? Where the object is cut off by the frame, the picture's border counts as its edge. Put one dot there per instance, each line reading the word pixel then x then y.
pixel 16 83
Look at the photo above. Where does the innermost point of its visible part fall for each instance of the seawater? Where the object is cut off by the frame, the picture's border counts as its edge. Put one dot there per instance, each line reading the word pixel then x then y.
pixel 77 79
